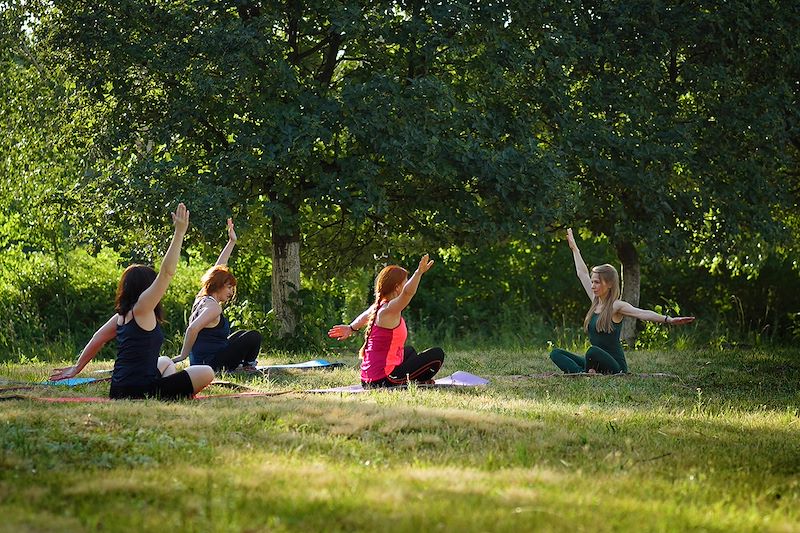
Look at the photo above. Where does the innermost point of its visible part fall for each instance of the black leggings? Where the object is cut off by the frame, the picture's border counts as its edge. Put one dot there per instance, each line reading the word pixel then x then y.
pixel 243 347
pixel 173 387
pixel 419 367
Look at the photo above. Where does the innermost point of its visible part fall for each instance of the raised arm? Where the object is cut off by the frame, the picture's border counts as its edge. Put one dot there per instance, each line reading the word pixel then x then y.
pixel 208 313
pixel 397 305
pixel 225 254
pixel 580 266
pixel 106 332
pixel 152 295
pixel 344 331
pixel 624 308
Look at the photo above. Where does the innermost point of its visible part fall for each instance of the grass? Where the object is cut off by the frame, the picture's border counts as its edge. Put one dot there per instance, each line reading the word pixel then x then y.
pixel 713 449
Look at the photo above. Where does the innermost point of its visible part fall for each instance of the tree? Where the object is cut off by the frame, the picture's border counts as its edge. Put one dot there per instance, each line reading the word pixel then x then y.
pixel 384 115
pixel 674 123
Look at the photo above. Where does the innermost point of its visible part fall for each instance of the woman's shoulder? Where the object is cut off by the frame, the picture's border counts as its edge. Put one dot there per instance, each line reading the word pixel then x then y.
pixel 619 304
pixel 206 300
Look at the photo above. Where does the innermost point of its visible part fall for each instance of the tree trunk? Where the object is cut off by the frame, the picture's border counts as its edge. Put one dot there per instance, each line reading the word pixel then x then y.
pixel 631 282
pixel 285 279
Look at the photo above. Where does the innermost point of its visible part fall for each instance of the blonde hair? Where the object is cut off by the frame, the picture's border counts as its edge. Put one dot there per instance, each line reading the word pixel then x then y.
pixel 607 274
pixel 385 284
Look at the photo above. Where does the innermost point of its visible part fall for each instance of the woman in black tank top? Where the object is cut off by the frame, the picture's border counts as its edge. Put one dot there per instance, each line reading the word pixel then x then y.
pixel 603 320
pixel 139 371
pixel 208 339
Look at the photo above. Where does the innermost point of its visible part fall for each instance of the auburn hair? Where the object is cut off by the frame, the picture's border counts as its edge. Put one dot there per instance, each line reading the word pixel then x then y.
pixel 609 275
pixel 386 283
pixel 134 281
pixel 216 278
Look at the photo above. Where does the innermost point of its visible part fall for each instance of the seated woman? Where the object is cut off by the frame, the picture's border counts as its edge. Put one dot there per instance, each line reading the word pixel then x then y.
pixel 139 372
pixel 385 361
pixel 208 339
pixel 603 321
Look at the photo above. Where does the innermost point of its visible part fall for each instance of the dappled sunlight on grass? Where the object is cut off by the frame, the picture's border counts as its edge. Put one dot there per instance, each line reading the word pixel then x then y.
pixel 526 452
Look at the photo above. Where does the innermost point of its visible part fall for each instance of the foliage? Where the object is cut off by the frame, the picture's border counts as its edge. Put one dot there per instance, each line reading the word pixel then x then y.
pixel 374 132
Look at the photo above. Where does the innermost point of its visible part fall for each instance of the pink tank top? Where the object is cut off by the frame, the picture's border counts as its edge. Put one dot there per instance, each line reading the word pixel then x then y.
pixel 384 351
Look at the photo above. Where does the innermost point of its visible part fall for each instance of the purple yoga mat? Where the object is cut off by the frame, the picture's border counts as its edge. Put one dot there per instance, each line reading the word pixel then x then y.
pixel 457 379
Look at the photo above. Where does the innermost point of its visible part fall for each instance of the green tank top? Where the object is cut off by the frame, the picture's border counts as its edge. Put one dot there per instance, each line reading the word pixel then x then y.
pixel 608 341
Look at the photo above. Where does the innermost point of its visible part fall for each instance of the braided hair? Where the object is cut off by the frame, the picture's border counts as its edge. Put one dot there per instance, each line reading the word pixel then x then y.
pixel 386 283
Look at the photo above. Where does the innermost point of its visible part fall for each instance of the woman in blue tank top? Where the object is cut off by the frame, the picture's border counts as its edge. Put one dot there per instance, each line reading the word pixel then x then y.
pixel 139 371
pixel 208 339
pixel 603 321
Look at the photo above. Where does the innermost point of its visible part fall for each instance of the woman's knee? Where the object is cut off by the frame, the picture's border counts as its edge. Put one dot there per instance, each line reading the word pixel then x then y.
pixel 165 366
pixel 201 376
pixel 435 353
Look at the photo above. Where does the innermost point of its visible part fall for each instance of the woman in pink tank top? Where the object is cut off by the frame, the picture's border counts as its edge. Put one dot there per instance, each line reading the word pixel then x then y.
pixel 385 360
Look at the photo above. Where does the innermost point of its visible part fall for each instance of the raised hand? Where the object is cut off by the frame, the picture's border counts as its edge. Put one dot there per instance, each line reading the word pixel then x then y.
pixel 64 373
pixel 180 218
pixel 231 232
pixel 424 264
pixel 340 332
pixel 571 240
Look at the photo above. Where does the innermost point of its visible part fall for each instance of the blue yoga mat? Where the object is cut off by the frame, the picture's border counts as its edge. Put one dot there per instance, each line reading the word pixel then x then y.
pixel 314 363
pixel 71 382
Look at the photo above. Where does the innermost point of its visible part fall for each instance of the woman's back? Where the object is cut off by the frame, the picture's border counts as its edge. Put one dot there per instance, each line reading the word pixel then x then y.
pixel 137 354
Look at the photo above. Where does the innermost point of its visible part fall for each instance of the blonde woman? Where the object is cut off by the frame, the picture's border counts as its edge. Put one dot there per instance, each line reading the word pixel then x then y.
pixel 603 321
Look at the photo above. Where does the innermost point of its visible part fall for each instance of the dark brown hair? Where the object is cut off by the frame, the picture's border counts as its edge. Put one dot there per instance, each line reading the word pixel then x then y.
pixel 134 281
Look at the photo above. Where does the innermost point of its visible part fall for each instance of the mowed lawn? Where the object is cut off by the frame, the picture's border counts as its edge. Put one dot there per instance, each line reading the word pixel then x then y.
pixel 716 448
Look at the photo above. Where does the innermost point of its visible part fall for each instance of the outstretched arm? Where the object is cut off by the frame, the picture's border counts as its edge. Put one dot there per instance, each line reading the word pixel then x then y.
pixel 152 295
pixel 225 254
pixel 580 266
pixel 397 305
pixel 106 332
pixel 344 331
pixel 624 308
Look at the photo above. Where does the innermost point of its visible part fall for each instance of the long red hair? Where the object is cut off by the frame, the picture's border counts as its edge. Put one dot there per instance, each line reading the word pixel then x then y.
pixel 386 283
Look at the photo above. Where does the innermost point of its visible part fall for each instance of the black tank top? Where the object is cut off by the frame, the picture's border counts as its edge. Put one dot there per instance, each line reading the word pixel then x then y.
pixel 210 341
pixel 137 355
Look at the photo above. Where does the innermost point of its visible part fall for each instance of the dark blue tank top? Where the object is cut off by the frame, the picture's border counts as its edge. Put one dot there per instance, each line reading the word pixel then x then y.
pixel 137 355
pixel 210 342
pixel 608 341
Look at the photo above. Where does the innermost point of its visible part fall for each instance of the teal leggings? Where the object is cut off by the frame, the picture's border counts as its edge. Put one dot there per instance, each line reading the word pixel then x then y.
pixel 596 358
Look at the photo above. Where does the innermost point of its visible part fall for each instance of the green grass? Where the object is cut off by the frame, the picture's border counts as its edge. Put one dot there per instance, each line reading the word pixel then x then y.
pixel 715 449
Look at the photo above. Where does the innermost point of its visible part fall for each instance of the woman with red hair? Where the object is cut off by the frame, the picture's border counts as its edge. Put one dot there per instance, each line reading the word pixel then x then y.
pixel 385 361
pixel 208 339
pixel 139 372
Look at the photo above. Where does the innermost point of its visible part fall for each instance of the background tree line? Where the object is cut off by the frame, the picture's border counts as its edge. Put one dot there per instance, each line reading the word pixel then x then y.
pixel 341 135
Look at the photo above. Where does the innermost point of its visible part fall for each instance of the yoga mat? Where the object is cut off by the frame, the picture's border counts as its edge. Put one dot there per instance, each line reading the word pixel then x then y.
pixel 594 375
pixel 457 379
pixel 71 382
pixel 24 385
pixel 104 399
pixel 307 365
